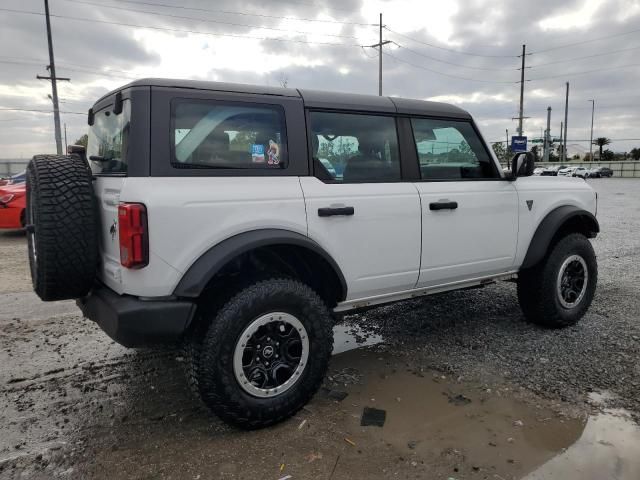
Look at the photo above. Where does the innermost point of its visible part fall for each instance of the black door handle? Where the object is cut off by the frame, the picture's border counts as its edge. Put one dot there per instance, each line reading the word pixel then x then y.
pixel 331 211
pixel 443 206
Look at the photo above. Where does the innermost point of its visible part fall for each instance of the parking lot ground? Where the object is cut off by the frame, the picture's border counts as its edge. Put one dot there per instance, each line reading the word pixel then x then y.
pixel 469 390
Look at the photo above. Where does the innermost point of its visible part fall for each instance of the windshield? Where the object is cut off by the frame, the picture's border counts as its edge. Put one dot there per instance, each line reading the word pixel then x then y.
pixel 108 140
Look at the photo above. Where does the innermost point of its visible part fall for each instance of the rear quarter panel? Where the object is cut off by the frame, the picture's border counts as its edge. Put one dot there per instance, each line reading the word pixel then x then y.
pixel 189 215
pixel 547 194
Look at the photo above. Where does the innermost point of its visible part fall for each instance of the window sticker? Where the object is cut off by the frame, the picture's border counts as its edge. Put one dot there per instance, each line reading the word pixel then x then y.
pixel 257 153
pixel 273 154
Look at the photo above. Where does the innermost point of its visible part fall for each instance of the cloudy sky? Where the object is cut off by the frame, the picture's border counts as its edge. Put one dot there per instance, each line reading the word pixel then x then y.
pixel 458 51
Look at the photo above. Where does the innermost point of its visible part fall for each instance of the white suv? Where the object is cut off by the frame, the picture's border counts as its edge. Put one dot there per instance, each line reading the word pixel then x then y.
pixel 206 213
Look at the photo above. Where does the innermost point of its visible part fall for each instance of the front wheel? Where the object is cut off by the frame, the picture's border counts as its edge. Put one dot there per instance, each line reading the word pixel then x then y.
pixel 557 292
pixel 264 353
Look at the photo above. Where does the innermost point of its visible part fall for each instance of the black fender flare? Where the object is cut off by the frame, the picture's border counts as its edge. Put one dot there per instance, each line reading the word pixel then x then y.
pixel 551 224
pixel 213 260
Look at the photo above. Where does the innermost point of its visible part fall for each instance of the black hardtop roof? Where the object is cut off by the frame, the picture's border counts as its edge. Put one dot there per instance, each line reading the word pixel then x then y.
pixel 313 98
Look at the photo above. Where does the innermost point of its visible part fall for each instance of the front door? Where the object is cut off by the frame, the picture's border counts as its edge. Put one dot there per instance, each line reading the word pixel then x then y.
pixel 469 212
pixel 358 208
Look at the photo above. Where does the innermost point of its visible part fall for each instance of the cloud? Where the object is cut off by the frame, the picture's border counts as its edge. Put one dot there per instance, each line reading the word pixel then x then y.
pixel 465 48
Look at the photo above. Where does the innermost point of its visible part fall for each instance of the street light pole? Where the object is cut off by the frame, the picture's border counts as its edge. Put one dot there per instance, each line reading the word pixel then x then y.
pixel 593 108
pixel 547 135
pixel 566 115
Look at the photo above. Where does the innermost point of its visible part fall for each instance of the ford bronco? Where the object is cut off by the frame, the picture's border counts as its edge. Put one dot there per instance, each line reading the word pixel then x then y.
pixel 241 219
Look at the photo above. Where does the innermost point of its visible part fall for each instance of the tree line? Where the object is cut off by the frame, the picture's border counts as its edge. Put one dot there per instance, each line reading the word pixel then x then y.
pixel 555 154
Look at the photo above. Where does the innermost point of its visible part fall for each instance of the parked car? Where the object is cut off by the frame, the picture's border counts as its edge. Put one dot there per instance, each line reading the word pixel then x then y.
pixel 217 226
pixel 12 206
pixel 552 171
pixel 580 172
pixel 598 172
pixel 18 178
pixel 538 171
pixel 566 171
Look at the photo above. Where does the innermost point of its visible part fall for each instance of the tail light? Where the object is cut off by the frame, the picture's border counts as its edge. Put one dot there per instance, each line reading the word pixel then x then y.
pixel 134 235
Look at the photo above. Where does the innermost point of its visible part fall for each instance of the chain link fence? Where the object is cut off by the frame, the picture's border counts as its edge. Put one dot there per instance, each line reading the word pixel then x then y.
pixel 620 169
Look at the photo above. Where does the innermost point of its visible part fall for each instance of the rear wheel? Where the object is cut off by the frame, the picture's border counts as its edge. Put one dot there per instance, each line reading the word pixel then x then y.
pixel 557 292
pixel 61 226
pixel 264 353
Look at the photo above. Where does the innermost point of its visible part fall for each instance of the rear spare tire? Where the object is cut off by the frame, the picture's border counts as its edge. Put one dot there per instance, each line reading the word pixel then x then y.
pixel 62 226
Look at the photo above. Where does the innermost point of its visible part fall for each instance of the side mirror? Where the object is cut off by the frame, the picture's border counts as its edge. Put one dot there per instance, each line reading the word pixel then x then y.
pixel 79 150
pixel 522 165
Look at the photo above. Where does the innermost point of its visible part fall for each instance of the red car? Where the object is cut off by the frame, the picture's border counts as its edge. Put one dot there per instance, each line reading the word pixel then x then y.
pixel 13 200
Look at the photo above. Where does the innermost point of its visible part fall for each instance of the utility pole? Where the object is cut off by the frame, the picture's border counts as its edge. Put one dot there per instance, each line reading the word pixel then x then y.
pixel 547 135
pixel 524 49
pixel 566 115
pixel 379 47
pixel 54 79
pixel 506 150
pixel 593 108
pixel 561 144
pixel 65 138
pixel 380 60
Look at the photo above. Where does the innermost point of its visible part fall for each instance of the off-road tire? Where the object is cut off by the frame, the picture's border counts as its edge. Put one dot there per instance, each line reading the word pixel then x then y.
pixel 211 359
pixel 537 286
pixel 62 226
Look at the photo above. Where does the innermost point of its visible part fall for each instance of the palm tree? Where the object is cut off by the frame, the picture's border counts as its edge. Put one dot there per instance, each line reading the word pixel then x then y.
pixel 601 142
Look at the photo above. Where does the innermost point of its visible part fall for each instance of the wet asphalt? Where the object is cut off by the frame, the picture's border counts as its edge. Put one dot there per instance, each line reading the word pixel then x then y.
pixel 74 404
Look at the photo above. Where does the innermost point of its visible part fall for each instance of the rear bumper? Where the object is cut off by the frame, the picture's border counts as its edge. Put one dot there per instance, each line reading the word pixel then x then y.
pixel 135 323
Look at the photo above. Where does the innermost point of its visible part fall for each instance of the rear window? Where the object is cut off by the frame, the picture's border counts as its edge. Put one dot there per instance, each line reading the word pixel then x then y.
pixel 228 135
pixel 108 140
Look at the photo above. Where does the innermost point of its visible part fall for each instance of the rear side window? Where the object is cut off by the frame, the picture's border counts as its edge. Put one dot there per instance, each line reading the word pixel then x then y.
pixel 108 140
pixel 451 150
pixel 354 148
pixel 227 135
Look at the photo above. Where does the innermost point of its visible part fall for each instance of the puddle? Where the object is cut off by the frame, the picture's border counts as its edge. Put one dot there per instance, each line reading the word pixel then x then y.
pixel 456 425
pixel 609 448
pixel 463 430
pixel 349 337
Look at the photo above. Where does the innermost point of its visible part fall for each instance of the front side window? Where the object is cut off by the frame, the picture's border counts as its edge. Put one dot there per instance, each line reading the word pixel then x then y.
pixel 353 148
pixel 108 140
pixel 218 135
pixel 451 150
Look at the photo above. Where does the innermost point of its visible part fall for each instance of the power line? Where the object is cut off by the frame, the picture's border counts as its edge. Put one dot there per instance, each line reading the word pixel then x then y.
pixel 39 61
pixel 461 52
pixel 316 5
pixel 446 74
pixel 231 12
pixel 450 63
pixel 599 70
pixel 3 109
pixel 584 57
pixel 584 41
pixel 71 69
pixel 167 29
pixel 182 17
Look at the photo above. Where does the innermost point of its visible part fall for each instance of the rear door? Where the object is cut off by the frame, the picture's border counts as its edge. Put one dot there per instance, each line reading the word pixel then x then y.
pixel 117 150
pixel 359 208
pixel 107 154
pixel 469 211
